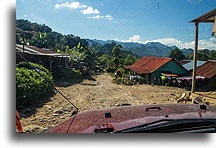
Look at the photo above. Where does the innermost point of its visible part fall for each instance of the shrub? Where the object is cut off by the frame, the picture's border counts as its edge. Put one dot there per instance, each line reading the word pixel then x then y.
pixel 63 74
pixel 29 65
pixel 110 69
pixel 30 86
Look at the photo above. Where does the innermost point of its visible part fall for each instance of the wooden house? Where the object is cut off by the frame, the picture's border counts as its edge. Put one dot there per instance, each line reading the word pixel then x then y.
pixel 46 57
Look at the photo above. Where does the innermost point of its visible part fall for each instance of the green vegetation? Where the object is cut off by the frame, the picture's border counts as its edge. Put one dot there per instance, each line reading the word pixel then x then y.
pixel 204 55
pixel 78 49
pixel 177 54
pixel 30 86
pixel 116 54
pixel 63 74
pixel 32 66
pixel 44 37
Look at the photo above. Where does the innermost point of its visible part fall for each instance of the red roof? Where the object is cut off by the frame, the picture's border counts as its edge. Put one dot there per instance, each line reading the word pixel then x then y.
pixel 208 69
pixel 148 64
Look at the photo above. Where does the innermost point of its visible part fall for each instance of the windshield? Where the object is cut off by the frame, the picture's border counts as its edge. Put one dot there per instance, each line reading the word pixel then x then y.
pixel 174 126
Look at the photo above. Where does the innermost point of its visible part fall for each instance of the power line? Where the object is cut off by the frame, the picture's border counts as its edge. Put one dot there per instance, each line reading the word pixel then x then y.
pixel 119 29
pixel 117 8
pixel 142 12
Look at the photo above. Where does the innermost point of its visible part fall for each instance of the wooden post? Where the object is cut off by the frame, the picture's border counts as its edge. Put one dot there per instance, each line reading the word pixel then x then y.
pixel 23 45
pixel 65 62
pixel 50 59
pixel 193 89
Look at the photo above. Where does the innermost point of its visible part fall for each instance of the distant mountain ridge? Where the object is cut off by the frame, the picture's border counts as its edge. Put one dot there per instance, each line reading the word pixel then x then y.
pixel 156 49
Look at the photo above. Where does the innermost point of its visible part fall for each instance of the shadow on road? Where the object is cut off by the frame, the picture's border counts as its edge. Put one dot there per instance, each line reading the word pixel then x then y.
pixel 29 110
pixel 72 82
pixel 89 84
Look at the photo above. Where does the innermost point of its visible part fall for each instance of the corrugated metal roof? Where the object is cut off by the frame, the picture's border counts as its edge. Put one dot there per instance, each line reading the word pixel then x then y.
pixel 36 51
pixel 208 69
pixel 214 29
pixel 184 62
pixel 189 66
pixel 208 17
pixel 148 64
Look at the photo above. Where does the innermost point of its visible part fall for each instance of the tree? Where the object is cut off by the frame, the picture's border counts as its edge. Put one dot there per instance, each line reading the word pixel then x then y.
pixel 204 55
pixel 177 54
pixel 74 53
pixel 116 53
pixel 129 60
pixel 212 55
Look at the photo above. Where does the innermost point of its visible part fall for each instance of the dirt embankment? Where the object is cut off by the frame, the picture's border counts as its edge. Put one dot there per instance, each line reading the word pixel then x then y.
pixel 100 92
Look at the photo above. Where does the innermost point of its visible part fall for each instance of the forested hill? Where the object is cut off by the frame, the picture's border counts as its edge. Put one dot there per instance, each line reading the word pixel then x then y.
pixel 78 48
pixel 149 49
pixel 57 41
pixel 52 39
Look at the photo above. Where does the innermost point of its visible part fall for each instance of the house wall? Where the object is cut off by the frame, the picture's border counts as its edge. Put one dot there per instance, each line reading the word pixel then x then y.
pixel 212 83
pixel 147 77
pixel 170 67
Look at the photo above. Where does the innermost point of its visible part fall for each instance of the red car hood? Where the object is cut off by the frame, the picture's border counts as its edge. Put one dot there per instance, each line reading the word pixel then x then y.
pixel 129 116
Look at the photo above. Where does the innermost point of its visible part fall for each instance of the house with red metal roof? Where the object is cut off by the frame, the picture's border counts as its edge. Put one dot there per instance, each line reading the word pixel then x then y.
pixel 151 68
pixel 208 70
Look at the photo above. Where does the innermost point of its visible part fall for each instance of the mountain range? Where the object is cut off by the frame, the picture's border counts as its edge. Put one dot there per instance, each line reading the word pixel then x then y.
pixel 156 49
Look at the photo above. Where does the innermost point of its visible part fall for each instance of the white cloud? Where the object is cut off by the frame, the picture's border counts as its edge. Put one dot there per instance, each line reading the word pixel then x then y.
pixel 25 15
pixel 202 44
pixel 86 10
pixel 195 1
pixel 135 38
pixel 73 5
pixel 90 10
pixel 109 17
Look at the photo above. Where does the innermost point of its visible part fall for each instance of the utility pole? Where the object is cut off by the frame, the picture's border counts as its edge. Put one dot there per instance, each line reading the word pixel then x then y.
pixel 193 89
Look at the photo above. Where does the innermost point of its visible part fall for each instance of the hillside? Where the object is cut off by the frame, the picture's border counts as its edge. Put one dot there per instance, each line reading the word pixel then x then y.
pixel 149 49
pixel 58 41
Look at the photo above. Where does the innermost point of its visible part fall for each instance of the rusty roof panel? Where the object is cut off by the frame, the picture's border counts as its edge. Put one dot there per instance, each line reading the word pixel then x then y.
pixel 36 51
pixel 148 64
pixel 208 69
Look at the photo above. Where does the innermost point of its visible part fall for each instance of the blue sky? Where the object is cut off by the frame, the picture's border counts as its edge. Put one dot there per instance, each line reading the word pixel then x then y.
pixel 165 21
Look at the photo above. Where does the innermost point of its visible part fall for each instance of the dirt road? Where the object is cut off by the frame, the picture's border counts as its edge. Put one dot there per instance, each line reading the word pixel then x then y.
pixel 99 92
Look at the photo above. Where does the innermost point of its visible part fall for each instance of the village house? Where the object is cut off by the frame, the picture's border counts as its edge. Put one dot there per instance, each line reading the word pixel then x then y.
pixel 208 70
pixel 151 68
pixel 46 57
pixel 188 64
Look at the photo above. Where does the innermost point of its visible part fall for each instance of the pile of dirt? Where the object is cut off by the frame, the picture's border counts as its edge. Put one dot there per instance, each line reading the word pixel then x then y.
pixel 100 92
